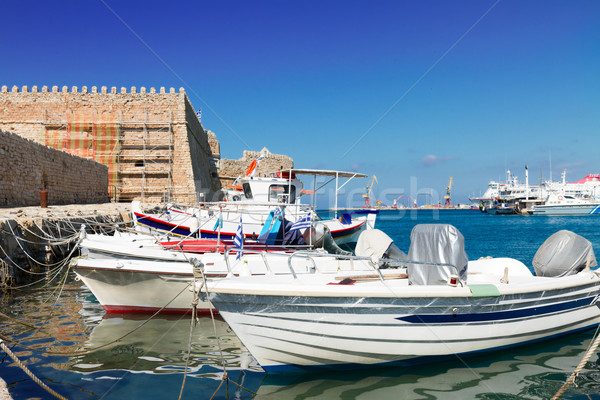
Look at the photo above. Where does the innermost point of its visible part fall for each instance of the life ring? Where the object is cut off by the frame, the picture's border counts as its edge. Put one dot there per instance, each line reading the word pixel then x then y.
pixel 560 197
pixel 251 168
pixel 236 198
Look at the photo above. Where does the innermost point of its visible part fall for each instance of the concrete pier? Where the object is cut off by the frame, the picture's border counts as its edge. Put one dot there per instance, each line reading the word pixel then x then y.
pixel 24 233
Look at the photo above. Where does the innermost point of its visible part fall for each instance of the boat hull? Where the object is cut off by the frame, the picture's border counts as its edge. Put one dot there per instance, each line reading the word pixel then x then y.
pixel 130 291
pixel 291 333
pixel 583 209
pixel 178 224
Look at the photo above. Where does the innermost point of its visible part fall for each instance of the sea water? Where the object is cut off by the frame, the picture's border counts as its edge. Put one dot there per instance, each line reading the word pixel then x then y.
pixel 65 338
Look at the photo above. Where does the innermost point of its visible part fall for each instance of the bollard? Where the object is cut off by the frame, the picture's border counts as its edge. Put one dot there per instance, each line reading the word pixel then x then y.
pixel 44 198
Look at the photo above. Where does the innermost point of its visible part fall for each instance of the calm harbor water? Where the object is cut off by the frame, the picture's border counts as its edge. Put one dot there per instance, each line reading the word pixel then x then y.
pixel 90 358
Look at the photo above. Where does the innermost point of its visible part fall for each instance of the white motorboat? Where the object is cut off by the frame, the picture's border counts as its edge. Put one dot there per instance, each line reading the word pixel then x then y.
pixel 258 205
pixel 129 282
pixel 447 308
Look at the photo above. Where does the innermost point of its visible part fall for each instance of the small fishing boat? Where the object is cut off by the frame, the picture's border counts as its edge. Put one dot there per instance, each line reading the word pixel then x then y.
pixel 438 305
pixel 146 285
pixel 258 205
pixel 137 273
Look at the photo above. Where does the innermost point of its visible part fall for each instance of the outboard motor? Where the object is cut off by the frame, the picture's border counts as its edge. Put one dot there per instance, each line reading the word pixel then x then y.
pixel 564 253
pixel 319 235
pixel 374 243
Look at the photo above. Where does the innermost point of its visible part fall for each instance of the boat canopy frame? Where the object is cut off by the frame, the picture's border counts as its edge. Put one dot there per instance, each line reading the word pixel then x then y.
pixel 335 175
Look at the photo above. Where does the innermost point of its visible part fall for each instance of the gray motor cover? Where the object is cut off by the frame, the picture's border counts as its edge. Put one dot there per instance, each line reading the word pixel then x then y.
pixel 437 243
pixel 564 253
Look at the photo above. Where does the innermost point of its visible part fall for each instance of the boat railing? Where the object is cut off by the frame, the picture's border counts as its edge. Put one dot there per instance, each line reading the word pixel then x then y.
pixel 370 261
pixel 263 254
pixel 311 255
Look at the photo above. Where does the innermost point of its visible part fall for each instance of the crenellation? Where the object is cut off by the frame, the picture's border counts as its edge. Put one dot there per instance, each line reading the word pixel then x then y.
pixel 34 89
pixel 94 89
pixel 104 90
pixel 181 90
pixel 45 89
pixel 15 89
pixel 133 90
pixel 172 90
pixel 25 89
pixel 113 90
pixel 123 90
pixel 162 90
pixel 4 89
pixel 143 90
pixel 74 89
pixel 65 89
pixel 84 89
pixel 152 90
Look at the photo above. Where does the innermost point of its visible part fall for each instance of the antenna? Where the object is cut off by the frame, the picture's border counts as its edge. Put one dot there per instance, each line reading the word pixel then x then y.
pixel 550 157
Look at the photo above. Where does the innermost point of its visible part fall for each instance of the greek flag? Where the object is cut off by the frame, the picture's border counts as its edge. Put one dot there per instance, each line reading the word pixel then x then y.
pixel 238 241
pixel 199 114
pixel 302 223
pixel 278 211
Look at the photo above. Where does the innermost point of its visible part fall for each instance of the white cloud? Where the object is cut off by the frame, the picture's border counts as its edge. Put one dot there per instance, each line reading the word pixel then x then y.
pixel 430 160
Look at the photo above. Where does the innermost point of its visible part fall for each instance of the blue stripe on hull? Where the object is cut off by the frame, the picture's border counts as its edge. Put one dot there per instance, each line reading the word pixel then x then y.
pixel 179 231
pixel 496 316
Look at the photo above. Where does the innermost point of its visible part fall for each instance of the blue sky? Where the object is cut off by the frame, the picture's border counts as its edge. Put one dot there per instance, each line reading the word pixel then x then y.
pixel 409 91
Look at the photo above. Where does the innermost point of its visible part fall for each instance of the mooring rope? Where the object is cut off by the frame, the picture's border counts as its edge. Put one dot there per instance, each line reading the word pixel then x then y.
pixel 225 375
pixel 571 380
pixel 29 373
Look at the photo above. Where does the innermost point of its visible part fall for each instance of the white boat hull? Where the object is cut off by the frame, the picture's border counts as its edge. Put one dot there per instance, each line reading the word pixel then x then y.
pixel 579 209
pixel 305 329
pixel 137 285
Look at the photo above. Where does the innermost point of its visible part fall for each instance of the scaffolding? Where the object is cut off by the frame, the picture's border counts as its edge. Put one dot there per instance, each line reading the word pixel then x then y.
pixel 138 154
pixel 145 160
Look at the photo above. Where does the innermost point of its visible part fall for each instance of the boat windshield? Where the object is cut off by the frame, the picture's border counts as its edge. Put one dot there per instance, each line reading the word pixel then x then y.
pixel 247 190
pixel 280 194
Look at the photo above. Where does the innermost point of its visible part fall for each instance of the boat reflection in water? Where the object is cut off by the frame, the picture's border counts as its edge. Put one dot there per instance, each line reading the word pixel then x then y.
pixel 156 352
pixel 161 343
pixel 532 372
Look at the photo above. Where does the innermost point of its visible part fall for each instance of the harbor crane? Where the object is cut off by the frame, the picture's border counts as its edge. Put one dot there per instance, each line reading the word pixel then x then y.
pixel 448 201
pixel 367 195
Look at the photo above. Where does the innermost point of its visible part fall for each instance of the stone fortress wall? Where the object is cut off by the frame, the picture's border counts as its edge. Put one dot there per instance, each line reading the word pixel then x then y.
pixel 26 167
pixel 152 142
pixel 229 170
